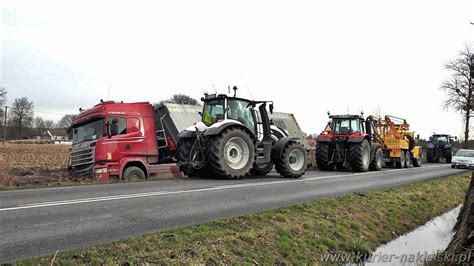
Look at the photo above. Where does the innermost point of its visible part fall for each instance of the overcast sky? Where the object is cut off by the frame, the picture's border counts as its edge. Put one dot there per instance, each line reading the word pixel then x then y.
pixel 307 57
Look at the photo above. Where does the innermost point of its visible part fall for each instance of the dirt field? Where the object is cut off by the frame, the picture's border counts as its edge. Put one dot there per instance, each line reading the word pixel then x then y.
pixel 34 164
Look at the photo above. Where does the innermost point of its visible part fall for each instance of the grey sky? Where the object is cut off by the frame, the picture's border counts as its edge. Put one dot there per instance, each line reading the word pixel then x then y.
pixel 307 57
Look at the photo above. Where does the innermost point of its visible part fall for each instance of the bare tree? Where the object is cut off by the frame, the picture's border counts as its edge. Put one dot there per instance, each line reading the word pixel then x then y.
pixel 41 125
pixel 459 87
pixel 22 113
pixel 65 121
pixel 182 99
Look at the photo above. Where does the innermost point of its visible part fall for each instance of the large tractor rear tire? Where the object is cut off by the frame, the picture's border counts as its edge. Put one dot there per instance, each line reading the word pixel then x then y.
pixel 261 171
pixel 231 153
pixel 293 161
pixel 359 156
pixel 430 155
pixel 184 158
pixel 323 156
pixel 448 154
pixel 377 161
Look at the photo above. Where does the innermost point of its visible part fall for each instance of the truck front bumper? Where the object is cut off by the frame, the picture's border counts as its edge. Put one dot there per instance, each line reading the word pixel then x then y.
pixel 103 172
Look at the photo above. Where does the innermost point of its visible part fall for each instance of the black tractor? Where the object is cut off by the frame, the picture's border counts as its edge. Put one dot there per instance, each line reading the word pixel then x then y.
pixel 348 143
pixel 440 146
pixel 234 138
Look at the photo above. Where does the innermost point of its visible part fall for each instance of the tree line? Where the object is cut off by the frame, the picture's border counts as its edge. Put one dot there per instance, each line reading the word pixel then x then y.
pixel 20 116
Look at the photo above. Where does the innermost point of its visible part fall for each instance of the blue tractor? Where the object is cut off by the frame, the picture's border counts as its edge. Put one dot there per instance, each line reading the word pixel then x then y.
pixel 440 146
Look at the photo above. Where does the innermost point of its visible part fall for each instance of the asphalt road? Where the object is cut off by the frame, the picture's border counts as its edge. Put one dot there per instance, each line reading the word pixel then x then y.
pixel 40 221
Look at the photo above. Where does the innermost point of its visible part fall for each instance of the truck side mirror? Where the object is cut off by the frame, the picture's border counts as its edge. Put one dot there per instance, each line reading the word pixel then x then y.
pixel 114 127
pixel 271 108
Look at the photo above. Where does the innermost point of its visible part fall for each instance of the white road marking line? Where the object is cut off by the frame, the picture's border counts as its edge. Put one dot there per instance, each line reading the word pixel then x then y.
pixel 161 193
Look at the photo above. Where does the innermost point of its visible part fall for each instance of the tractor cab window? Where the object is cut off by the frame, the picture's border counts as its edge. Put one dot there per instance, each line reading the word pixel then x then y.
pixel 241 111
pixel 213 111
pixel 443 139
pixel 346 126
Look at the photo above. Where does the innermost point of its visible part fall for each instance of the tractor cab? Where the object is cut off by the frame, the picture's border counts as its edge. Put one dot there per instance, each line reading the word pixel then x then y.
pixel 442 139
pixel 345 125
pixel 218 108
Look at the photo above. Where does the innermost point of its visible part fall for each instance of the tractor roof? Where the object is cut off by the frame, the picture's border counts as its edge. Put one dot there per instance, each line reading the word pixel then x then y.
pixel 346 117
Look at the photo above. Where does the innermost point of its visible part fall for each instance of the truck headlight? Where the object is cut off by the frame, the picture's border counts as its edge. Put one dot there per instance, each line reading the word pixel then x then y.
pixel 101 170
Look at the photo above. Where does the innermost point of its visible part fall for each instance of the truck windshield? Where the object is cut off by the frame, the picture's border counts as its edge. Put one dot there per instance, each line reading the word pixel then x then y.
pixel 213 111
pixel 90 131
pixel 346 126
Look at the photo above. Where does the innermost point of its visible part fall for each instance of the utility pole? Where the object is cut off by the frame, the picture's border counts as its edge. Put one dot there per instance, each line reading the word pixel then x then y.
pixel 5 126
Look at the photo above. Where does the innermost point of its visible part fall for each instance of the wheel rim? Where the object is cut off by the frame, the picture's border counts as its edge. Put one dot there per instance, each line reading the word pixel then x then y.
pixel 236 153
pixel 379 161
pixel 296 160
pixel 365 156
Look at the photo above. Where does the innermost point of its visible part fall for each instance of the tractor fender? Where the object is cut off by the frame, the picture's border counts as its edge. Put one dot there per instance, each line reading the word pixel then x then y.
pixel 279 146
pixel 448 146
pixel 430 146
pixel 278 132
pixel 186 134
pixel 217 128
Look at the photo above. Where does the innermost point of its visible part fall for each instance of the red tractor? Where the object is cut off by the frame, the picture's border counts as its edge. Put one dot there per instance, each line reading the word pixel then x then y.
pixel 348 142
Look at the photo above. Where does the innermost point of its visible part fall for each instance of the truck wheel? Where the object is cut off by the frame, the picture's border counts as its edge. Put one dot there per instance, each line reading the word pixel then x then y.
pixel 261 171
pixel 417 161
pixel 133 173
pixel 377 162
pixel 448 155
pixel 430 155
pixel 359 156
pixel 322 157
pixel 232 154
pixel 407 159
pixel 293 161
pixel 401 162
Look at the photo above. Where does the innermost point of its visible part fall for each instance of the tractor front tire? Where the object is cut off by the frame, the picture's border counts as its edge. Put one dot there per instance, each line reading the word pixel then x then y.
pixel 448 155
pixel 293 161
pixel 231 154
pixel 322 157
pixel 430 155
pixel 183 156
pixel 377 162
pixel 359 156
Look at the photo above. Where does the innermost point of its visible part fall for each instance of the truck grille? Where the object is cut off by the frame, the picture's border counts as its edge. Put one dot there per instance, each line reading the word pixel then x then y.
pixel 82 161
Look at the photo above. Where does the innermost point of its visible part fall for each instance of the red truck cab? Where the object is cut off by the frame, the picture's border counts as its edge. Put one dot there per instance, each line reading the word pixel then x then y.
pixel 117 140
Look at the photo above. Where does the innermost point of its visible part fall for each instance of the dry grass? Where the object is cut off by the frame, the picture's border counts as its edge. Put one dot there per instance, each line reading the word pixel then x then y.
pixel 44 156
pixel 38 164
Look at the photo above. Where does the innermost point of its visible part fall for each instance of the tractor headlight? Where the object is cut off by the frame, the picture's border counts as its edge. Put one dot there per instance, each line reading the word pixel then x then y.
pixel 101 170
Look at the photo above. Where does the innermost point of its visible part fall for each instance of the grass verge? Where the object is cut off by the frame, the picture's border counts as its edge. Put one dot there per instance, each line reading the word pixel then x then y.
pixel 358 222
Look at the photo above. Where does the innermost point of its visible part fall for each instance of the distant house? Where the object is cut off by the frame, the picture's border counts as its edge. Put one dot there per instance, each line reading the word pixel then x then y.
pixel 57 134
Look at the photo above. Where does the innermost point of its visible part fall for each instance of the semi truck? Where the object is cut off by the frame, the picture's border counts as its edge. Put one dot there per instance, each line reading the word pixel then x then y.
pixel 124 141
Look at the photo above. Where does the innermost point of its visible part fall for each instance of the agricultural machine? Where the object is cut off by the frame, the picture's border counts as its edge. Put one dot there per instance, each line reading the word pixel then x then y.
pixel 399 145
pixel 235 137
pixel 440 146
pixel 348 142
